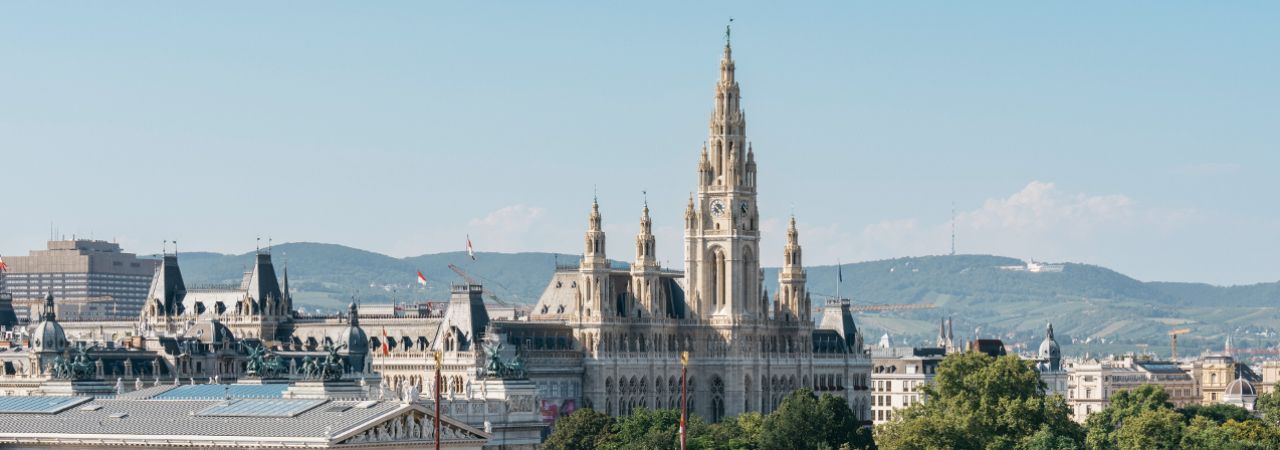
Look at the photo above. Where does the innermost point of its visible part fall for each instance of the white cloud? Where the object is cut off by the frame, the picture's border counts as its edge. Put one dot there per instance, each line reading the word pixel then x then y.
pixel 1038 221
pixel 510 218
pixel 509 229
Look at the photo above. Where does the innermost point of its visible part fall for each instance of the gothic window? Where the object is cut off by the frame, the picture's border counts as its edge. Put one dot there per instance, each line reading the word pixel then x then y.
pixel 717 399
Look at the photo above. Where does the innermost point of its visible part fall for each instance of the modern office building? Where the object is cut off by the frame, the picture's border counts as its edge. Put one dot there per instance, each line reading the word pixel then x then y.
pixel 93 280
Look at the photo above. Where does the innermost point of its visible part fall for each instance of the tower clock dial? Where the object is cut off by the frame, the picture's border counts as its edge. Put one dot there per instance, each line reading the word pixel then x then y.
pixel 744 207
pixel 717 208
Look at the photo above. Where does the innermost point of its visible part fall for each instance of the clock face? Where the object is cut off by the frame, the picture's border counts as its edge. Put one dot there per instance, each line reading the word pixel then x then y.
pixel 717 208
pixel 743 207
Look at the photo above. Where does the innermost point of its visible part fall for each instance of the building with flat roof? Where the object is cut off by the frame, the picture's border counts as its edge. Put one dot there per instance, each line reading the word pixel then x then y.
pixel 92 279
pixel 1091 384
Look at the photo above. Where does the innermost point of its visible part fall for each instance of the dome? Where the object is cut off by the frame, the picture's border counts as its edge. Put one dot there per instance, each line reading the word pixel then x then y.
pixel 48 335
pixel 1240 388
pixel 1049 349
pixel 354 337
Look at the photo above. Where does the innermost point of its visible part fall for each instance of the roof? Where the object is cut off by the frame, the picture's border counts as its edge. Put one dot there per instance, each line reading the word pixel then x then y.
pixel 220 391
pixel 217 423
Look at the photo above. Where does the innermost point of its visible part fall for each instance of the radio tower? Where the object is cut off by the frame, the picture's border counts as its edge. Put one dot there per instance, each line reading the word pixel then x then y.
pixel 953 229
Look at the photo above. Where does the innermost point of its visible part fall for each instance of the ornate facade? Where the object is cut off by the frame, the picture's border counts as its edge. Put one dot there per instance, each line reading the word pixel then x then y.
pixel 746 353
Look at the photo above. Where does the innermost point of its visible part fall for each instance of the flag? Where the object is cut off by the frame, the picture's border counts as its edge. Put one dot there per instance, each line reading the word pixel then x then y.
pixel 470 250
pixel 839 272
pixel 386 348
pixel 421 279
pixel 3 266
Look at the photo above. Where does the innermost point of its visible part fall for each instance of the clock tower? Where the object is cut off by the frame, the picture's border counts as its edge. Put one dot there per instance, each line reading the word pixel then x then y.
pixel 722 236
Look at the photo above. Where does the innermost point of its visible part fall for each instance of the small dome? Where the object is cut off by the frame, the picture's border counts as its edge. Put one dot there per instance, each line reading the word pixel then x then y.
pixel 354 337
pixel 48 335
pixel 1049 349
pixel 1240 388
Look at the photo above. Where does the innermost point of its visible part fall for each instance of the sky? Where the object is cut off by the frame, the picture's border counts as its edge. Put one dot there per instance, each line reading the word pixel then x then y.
pixel 1140 136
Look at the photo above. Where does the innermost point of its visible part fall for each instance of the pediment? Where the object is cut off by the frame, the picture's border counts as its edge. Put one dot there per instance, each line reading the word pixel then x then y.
pixel 411 424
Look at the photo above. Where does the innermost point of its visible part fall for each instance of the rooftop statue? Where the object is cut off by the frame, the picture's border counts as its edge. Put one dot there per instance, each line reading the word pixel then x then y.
pixel 327 368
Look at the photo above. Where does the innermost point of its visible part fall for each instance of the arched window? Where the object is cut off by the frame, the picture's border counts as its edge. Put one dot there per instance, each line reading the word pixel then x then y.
pixel 717 399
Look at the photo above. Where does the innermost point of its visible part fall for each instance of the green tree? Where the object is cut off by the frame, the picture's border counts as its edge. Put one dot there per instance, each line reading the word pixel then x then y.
pixel 1158 429
pixel 1217 412
pixel 742 432
pixel 585 429
pixel 1205 434
pixel 1269 405
pixel 647 429
pixel 980 402
pixel 805 421
pixel 1102 426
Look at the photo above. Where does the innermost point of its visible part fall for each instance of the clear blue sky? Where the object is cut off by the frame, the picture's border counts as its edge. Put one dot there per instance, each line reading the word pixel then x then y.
pixel 1137 135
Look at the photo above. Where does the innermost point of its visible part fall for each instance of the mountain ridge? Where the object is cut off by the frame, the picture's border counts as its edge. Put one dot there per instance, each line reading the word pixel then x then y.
pixel 1093 308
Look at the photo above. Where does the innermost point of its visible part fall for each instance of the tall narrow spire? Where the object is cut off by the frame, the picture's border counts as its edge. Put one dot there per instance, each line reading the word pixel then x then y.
pixel 594 240
pixel 645 241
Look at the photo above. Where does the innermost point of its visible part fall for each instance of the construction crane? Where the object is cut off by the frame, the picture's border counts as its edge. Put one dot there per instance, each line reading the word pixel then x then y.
pixel 1173 337
pixel 483 289
pixel 884 307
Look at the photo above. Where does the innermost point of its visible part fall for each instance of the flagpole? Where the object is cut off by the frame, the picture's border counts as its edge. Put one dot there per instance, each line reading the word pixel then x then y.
pixel 839 279
pixel 437 396
pixel 684 398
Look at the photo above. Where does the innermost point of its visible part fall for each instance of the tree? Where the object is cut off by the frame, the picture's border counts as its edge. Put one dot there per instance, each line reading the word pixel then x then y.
pixel 585 429
pixel 1157 429
pixel 1102 426
pixel 1269 405
pixel 657 428
pixel 805 421
pixel 980 402
pixel 741 432
pixel 1217 412
pixel 1205 434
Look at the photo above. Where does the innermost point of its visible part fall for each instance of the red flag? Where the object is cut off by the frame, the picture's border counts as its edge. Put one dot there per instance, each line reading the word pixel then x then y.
pixel 386 348
pixel 4 267
pixel 421 279
pixel 470 251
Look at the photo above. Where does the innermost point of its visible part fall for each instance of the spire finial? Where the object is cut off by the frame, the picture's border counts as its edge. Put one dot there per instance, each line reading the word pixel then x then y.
pixel 727 32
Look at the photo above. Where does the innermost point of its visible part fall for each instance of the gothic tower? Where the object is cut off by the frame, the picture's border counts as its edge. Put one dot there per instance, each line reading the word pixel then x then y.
pixel 793 299
pixel 722 236
pixel 595 289
pixel 644 273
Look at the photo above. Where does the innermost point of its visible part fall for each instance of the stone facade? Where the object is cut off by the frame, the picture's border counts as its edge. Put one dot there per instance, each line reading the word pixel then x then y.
pixel 745 352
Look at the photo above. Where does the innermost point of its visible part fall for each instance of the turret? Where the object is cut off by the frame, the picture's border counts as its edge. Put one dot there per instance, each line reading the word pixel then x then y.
pixel 792 295
pixel 644 273
pixel 594 293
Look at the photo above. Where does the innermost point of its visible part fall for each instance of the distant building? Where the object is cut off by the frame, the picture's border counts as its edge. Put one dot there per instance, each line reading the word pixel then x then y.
pixel 1049 364
pixel 1270 375
pixel 1090 384
pixel 897 374
pixel 93 280
pixel 993 347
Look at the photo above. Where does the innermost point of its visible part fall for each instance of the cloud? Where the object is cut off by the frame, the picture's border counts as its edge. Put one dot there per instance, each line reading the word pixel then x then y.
pixel 1038 221
pixel 511 229
pixel 509 219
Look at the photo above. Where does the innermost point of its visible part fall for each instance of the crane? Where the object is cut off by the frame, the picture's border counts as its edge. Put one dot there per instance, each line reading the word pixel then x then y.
pixel 885 307
pixel 1173 337
pixel 470 280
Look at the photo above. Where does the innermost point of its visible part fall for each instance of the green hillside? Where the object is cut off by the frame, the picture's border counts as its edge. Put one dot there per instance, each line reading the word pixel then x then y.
pixel 1093 309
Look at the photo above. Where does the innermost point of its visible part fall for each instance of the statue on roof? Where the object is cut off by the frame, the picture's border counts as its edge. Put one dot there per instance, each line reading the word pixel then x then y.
pixel 329 367
pixel 261 362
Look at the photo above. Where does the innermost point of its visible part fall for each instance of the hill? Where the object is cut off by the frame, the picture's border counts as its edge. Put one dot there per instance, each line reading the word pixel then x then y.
pixel 1093 309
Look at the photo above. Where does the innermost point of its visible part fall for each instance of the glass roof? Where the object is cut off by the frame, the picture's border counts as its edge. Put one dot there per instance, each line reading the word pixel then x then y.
pixel 221 391
pixel 39 404
pixel 260 408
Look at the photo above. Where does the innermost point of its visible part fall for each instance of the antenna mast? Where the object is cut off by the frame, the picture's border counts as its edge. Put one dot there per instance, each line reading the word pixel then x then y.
pixel 953 229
